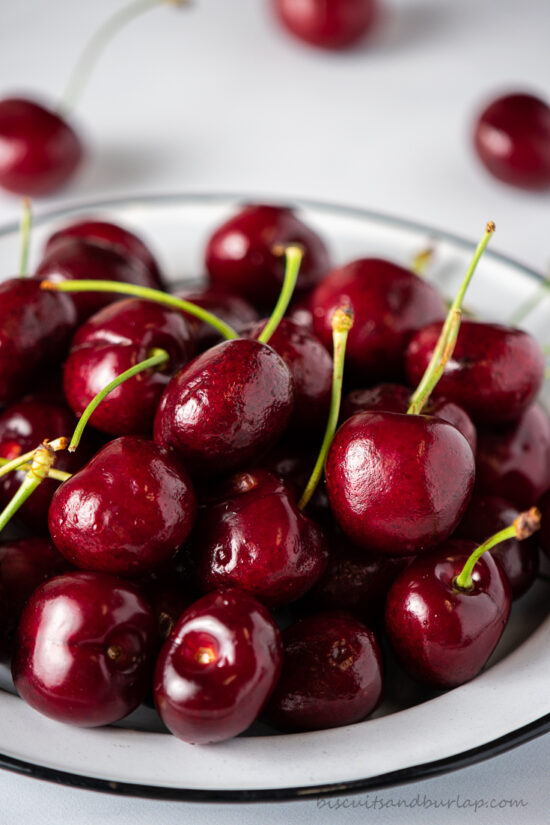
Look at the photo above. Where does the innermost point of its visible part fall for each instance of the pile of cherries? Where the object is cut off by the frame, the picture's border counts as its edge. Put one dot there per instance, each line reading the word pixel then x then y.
pixel 159 555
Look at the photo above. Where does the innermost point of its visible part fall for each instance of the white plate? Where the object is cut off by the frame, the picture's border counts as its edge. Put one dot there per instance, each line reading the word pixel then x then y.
pixel 507 704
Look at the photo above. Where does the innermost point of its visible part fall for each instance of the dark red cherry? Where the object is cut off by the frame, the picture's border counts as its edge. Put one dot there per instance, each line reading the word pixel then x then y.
pixel 513 460
pixel 332 674
pixel 311 368
pixel 230 308
pixel 519 559
pixel 254 537
pixel 396 398
pixel 226 407
pixel 389 303
pixel 398 484
pixel 126 512
pixel 84 649
pixel 443 636
pixel 113 340
pixel 23 426
pixel 39 151
pixel 75 259
pixel 112 236
pixel 328 24
pixel 218 668
pixel 24 565
pixel 245 255
pixel 35 330
pixel 512 140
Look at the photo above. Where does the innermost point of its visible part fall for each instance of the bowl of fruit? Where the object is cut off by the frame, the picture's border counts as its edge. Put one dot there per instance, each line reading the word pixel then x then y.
pixel 273 490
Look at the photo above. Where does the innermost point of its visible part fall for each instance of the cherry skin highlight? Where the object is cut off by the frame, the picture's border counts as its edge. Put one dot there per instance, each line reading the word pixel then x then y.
pixel 39 151
pixel 512 140
pixel 245 255
pixel 328 24
pixel 126 512
pixel 398 484
pixel 332 674
pixel 218 668
pixel 84 649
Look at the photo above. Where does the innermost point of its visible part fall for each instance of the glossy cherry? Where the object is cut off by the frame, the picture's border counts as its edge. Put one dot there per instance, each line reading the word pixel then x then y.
pixel 253 536
pixel 39 151
pixel 398 484
pixel 442 635
pixel 218 668
pixel 389 303
pixel 110 342
pixel 332 674
pixel 518 559
pixel 245 255
pixel 226 407
pixel 85 649
pixel 126 512
pixel 35 330
pixel 495 373
pixel 513 460
pixel 512 140
pixel 328 24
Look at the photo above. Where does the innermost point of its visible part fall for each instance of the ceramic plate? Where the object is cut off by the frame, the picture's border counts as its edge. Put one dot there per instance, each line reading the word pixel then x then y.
pixel 410 736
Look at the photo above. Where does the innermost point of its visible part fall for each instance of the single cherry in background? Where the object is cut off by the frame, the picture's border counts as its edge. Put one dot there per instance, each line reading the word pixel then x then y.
pixel 328 24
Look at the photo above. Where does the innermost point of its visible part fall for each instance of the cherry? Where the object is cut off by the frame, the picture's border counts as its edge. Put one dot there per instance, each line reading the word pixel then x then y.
pixel 245 255
pixel 512 140
pixel 126 512
pixel 24 425
pixel 389 304
pixel 332 674
pixel 544 537
pixel 518 559
pixel 495 373
pixel 35 329
pixel 39 151
pixel 328 24
pixel 232 309
pixel 253 537
pixel 24 565
pixel 114 340
pixel 513 460
pixel 218 668
pixel 84 649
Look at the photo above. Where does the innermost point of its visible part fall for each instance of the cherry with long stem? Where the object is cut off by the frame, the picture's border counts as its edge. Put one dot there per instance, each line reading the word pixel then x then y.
pixel 523 527
pixel 41 464
pixel 449 333
pixel 294 255
pixel 342 322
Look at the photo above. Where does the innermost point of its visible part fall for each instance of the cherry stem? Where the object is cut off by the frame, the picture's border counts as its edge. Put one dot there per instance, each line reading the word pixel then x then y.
pixel 24 458
pixel 524 526
pixel 58 475
pixel 157 358
pixel 41 464
pixel 25 231
pixel 294 255
pixel 421 261
pixel 529 304
pixel 449 333
pixel 342 322
pixel 148 294
pixel 97 44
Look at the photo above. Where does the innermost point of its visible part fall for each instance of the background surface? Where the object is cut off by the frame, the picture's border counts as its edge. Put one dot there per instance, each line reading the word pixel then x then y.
pixel 216 98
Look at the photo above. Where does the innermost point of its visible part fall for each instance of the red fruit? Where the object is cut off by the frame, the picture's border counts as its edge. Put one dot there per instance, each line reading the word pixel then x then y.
pixel 218 668
pixel 328 24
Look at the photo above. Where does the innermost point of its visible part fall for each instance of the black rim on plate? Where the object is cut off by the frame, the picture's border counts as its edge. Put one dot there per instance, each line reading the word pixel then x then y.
pixel 413 773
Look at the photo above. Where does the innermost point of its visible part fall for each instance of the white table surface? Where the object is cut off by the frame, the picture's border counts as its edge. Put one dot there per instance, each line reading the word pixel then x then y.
pixel 216 98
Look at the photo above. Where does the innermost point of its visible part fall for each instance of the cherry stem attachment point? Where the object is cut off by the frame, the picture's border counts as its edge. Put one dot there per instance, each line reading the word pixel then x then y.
pixel 23 459
pixel 58 475
pixel 25 233
pixel 294 254
pixel 148 294
pixel 449 333
pixel 342 322
pixel 41 464
pixel 524 526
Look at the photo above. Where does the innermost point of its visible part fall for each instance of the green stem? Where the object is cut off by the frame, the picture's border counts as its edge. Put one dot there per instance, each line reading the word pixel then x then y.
pixel 25 230
pixel 523 527
pixel 294 255
pixel 58 475
pixel 147 294
pixel 529 304
pixel 18 463
pixel 97 44
pixel 42 462
pixel 342 322
pixel 157 358
pixel 449 333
